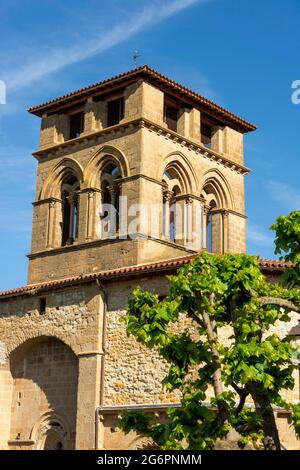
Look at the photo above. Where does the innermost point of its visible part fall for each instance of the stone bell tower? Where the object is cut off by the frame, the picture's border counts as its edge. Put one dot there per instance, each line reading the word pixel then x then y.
pixel 136 174
pixel 168 161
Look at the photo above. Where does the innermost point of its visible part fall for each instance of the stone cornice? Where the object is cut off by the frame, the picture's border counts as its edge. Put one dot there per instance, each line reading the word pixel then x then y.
pixel 229 211
pixel 194 146
pixel 98 242
pixel 89 190
pixel 190 196
pixel 39 202
pixel 92 139
pixel 138 176
pixel 140 123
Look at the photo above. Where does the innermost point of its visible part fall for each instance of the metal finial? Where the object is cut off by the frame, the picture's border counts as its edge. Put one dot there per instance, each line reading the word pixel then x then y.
pixel 135 57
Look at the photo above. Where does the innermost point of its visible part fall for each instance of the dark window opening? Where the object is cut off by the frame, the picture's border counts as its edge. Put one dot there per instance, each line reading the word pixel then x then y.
pixel 111 194
pixel 173 227
pixel 206 134
pixel 171 117
pixel 70 208
pixel 66 208
pixel 43 305
pixel 76 125
pixel 115 111
pixel 209 232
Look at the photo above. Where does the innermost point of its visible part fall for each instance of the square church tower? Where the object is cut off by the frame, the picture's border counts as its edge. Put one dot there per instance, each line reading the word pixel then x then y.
pixel 168 162
pixel 136 175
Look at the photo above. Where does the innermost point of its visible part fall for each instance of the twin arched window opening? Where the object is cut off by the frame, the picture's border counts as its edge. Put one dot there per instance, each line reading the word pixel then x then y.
pixel 176 217
pixel 174 211
pixel 172 219
pixel 69 196
pixel 110 196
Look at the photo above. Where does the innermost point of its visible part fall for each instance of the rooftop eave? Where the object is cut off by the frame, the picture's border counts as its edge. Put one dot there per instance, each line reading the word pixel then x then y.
pixel 145 72
pixel 161 267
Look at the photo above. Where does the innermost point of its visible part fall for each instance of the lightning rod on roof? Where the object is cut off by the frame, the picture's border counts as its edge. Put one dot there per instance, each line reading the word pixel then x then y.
pixel 136 56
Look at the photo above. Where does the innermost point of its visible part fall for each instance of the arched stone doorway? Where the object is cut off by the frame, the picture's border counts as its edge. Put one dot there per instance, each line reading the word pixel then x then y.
pixel 51 432
pixel 44 398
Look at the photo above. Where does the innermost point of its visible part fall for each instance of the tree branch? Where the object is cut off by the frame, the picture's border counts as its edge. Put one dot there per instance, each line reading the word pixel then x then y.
pixel 195 318
pixel 212 339
pixel 280 302
pixel 243 393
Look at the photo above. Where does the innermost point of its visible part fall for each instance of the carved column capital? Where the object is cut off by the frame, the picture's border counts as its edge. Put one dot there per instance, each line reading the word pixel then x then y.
pixel 206 209
pixel 189 200
pixel 73 198
pixel 167 195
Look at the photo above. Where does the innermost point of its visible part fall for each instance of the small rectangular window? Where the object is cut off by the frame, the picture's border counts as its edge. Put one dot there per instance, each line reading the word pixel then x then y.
pixel 115 111
pixel 76 125
pixel 42 306
pixel 206 134
pixel 171 117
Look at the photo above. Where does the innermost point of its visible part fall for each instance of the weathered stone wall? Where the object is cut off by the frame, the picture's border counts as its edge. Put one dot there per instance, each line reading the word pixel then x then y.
pixel 133 374
pixel 73 321
pixel 45 378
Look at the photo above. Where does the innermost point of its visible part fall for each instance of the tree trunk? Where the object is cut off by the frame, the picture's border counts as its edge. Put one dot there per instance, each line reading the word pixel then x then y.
pixel 212 339
pixel 265 412
pixel 212 336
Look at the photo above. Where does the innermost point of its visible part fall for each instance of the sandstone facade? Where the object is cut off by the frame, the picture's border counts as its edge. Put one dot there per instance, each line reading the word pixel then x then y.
pixel 66 365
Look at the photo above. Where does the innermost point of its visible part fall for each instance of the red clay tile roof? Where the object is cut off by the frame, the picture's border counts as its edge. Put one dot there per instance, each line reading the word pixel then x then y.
pixel 275 264
pixel 267 266
pixel 146 72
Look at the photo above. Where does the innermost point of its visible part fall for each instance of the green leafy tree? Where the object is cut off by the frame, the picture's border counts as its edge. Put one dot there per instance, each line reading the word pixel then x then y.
pixel 287 241
pixel 214 291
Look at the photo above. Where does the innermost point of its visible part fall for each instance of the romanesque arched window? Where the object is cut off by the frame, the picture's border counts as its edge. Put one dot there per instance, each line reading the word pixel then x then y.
pixel 110 198
pixel 70 210
pixel 174 216
pixel 209 226
pixel 172 211
pixel 215 205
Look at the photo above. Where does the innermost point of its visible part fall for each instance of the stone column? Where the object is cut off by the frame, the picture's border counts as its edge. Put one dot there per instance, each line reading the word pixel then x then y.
pixel 189 221
pixel 167 196
pixel 206 211
pixel 51 223
pixel 180 219
pixel 90 375
pixel 6 389
pixel 88 208
pixel 217 231
pixel 114 215
pixel 225 227
pixel 188 123
pixel 73 201
pixel 90 215
pixel 199 224
pixel 94 116
pixel 57 224
pixel 88 399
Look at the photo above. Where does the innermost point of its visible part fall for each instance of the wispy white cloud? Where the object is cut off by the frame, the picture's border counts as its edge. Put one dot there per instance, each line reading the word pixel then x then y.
pixel 37 65
pixel 286 195
pixel 257 236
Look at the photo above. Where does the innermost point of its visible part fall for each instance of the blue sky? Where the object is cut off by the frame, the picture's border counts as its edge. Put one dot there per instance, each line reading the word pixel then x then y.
pixel 244 55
